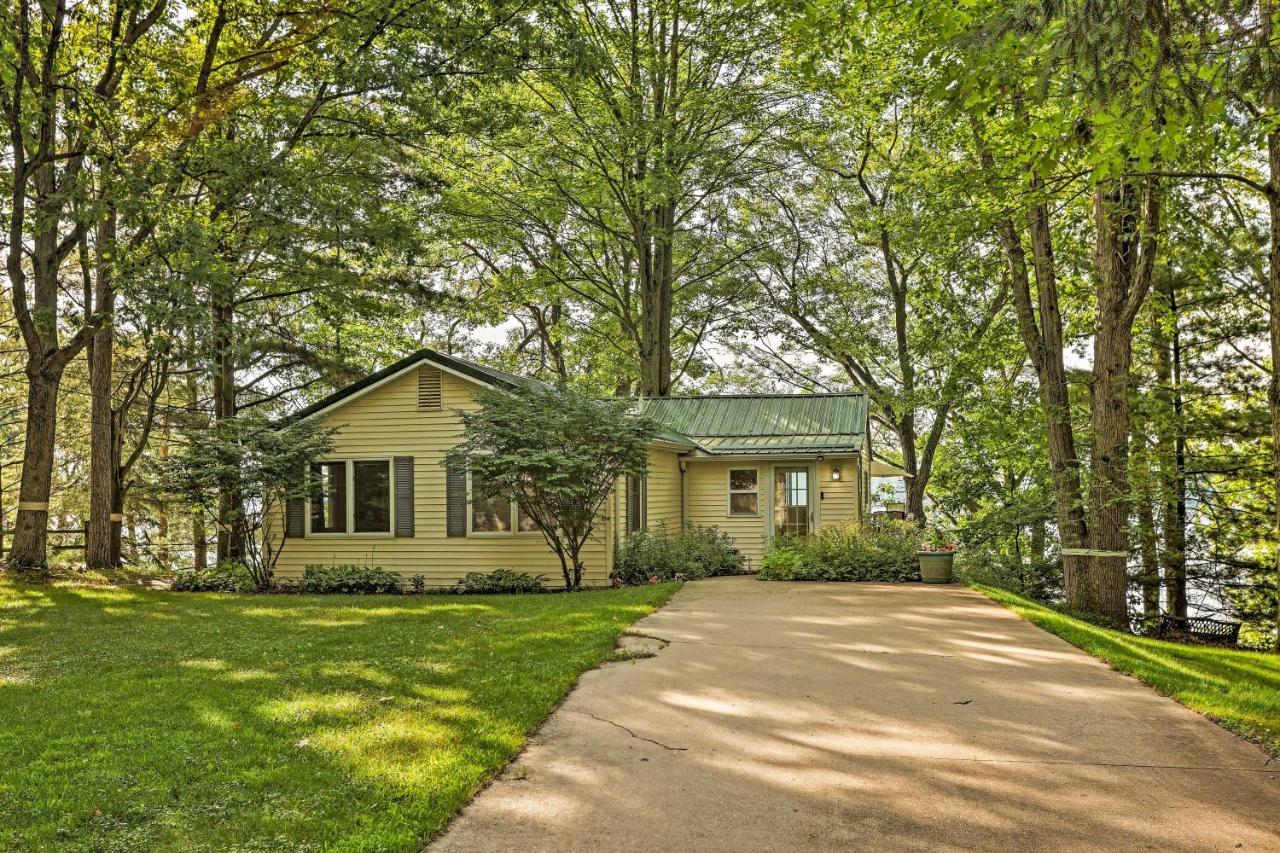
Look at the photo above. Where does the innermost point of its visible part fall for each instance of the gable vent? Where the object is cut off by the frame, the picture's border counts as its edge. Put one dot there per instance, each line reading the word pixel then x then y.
pixel 428 388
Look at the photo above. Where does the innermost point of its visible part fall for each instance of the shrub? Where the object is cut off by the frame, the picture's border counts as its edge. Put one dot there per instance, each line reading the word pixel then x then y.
pixel 499 581
pixel 224 577
pixel 876 551
pixel 688 552
pixel 357 580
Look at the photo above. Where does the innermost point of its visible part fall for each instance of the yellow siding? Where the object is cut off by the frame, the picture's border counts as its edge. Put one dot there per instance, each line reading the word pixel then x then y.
pixel 839 498
pixel 707 499
pixel 707 488
pixel 663 490
pixel 387 422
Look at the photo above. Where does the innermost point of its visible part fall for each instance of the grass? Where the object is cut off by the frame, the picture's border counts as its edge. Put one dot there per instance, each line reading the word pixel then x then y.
pixel 1239 690
pixel 135 719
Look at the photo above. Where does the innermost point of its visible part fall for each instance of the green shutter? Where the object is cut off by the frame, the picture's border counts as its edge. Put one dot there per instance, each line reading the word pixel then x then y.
pixel 294 518
pixel 455 500
pixel 404 496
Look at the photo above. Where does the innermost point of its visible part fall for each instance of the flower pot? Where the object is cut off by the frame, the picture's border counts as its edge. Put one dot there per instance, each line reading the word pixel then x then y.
pixel 935 566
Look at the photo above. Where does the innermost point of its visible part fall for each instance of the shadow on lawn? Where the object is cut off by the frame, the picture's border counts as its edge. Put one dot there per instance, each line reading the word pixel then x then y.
pixel 138 715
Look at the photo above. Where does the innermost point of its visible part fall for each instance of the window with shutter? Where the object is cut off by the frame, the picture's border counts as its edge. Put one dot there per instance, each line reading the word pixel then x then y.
pixel 429 394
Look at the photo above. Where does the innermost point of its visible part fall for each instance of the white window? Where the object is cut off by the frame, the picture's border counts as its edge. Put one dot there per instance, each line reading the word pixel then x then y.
pixel 351 496
pixel 744 491
pixel 490 514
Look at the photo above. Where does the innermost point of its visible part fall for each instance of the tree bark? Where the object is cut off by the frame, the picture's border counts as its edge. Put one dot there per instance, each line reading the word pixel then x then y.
pixel 1124 228
pixel 229 548
pixel 1172 450
pixel 1273 326
pixel 1045 344
pixel 30 534
pixel 103 441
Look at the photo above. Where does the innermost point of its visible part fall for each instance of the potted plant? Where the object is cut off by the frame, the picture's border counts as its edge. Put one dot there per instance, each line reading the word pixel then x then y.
pixel 936 558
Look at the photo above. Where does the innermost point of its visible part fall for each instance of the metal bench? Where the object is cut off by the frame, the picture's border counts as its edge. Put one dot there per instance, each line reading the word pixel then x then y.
pixel 1220 632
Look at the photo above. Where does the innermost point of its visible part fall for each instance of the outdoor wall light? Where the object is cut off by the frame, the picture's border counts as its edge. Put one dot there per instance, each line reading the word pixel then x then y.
pixel 835 472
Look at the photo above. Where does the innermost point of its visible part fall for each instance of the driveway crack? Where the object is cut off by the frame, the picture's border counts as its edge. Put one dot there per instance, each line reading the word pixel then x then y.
pixel 633 734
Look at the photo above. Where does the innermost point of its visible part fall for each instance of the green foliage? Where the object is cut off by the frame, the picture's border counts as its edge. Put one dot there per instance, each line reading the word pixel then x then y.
pixel 262 463
pixel 1240 690
pixel 244 723
pixel 347 579
pixel 602 215
pixel 876 551
pixel 499 581
pixel 684 553
pixel 224 577
pixel 555 452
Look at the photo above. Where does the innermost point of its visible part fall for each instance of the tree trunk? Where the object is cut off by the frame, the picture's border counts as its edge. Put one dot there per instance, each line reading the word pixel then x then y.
pixel 30 535
pixel 1273 305
pixel 1148 550
pixel 656 269
pixel 1116 259
pixel 199 542
pixel 103 458
pixel 224 408
pixel 117 525
pixel 1045 345
pixel 1172 450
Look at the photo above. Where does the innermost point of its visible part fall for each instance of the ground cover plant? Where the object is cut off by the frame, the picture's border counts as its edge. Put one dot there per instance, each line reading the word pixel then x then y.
pixel 1238 689
pixel 667 552
pixel 138 719
pixel 876 551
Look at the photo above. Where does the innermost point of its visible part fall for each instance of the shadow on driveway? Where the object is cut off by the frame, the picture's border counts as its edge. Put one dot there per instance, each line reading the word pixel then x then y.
pixel 789 716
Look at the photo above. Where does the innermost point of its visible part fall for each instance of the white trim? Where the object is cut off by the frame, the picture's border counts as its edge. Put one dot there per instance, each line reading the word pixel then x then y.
pixel 399 373
pixel 349 474
pixel 730 492
pixel 814 503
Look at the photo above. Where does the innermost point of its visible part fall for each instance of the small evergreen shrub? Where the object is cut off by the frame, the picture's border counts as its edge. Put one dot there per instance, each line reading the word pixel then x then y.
pixel 418 583
pixel 876 551
pixel 352 580
pixel 497 582
pixel 227 576
pixel 685 553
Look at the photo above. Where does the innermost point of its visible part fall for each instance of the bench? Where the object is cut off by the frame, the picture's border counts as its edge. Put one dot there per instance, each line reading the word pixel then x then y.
pixel 1220 632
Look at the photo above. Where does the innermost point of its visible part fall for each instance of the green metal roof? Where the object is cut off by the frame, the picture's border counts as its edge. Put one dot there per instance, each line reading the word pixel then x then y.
pixel 765 423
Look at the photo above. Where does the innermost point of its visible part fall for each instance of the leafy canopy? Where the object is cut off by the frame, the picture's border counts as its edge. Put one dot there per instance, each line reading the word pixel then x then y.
pixel 555 452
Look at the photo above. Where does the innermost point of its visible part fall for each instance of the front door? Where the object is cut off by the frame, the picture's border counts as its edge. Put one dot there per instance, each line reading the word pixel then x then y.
pixel 792 514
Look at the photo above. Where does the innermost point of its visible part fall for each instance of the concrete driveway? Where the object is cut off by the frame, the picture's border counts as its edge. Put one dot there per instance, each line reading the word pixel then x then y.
pixel 858 716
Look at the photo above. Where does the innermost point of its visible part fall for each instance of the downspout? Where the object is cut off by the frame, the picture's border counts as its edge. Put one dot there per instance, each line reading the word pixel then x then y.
pixel 684 494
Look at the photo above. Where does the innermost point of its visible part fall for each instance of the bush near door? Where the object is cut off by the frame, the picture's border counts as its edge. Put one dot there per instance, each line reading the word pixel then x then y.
pixel 876 551
pixel 665 553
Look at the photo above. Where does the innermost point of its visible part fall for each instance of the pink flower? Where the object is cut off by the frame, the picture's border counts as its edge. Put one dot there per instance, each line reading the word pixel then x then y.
pixel 653 578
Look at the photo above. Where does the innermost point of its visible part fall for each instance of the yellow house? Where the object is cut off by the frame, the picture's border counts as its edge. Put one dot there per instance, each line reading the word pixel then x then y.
pixel 751 465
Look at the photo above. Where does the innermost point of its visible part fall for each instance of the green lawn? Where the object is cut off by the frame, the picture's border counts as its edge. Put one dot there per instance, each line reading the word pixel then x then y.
pixel 1240 690
pixel 137 719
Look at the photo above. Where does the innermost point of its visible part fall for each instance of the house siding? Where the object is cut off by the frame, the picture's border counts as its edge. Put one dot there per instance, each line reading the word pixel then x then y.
pixel 707 499
pixel 386 422
pixel 664 503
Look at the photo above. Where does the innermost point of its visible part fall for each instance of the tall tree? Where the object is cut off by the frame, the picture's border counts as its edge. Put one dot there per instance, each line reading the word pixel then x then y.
pixel 615 183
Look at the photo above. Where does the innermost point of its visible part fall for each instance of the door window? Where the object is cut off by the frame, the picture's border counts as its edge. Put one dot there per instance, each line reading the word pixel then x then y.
pixel 791 502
